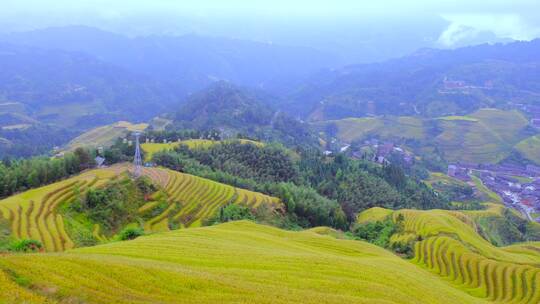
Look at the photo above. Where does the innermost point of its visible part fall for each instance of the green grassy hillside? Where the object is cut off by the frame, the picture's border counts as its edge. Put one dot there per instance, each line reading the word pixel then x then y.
pixel 238 262
pixel 447 244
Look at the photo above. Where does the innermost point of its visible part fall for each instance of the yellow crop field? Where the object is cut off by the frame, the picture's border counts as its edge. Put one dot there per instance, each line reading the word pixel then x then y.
pixel 12 293
pixel 373 214
pixel 237 262
pixel 193 199
pixel 199 143
pixel 33 213
pixel 352 129
pixel 447 243
pixel 104 135
pixel 205 143
pixel 151 148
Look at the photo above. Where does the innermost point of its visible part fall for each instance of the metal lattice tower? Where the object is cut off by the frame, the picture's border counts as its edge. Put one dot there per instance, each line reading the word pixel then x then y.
pixel 137 161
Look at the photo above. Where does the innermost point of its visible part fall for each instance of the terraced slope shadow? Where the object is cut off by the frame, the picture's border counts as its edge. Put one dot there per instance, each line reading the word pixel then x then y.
pixel 33 215
pixel 192 199
pixel 446 243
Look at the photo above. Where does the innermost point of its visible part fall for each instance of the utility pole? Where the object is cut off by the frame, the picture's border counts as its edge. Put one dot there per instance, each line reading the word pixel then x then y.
pixel 137 161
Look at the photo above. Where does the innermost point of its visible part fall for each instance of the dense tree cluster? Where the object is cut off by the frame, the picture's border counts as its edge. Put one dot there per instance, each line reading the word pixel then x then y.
pixel 19 175
pixel 36 140
pixel 267 169
pixel 358 185
pixel 232 212
pixel 310 207
pixel 114 205
pixel 223 105
pixel 316 189
pixel 119 152
pixel 269 163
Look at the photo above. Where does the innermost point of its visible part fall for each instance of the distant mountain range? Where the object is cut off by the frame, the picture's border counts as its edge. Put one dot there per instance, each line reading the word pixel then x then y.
pixel 427 83
pixel 190 62
pixel 71 79
pixel 74 89
pixel 103 77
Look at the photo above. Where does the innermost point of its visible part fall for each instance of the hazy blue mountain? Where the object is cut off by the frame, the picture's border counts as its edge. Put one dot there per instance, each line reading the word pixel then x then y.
pixel 232 110
pixel 428 82
pixel 224 105
pixel 76 90
pixel 189 61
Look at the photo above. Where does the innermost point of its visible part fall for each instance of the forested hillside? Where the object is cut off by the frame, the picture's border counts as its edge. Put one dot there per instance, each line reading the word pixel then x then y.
pixel 233 110
pixel 317 190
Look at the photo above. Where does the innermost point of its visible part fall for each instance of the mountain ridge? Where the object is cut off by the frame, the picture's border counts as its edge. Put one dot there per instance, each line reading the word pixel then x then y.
pixel 427 83
pixel 191 61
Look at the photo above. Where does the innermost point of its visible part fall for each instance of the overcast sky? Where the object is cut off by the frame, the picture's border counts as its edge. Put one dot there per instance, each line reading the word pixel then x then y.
pixel 309 22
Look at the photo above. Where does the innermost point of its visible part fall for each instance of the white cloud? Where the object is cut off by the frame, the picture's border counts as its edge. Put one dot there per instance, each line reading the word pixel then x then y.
pixel 467 26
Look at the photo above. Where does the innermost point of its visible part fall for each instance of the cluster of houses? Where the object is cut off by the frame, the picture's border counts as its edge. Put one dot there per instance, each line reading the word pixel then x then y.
pixel 374 150
pixel 381 152
pixel 451 85
pixel 518 186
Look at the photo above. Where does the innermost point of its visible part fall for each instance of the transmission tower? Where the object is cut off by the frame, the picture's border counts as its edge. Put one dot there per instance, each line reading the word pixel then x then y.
pixel 137 161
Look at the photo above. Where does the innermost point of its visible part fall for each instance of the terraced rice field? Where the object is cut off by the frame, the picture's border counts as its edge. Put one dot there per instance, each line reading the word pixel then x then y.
pixel 237 262
pixel 529 148
pixel 437 177
pixel 33 213
pixel 105 135
pixel 11 292
pixel 352 129
pixel 485 191
pixel 464 118
pixel 193 199
pixel 151 148
pixel 485 136
pixel 470 141
pixel 206 143
pixel 447 244
pixel 190 200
